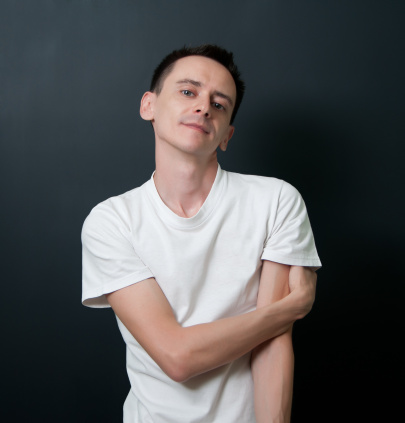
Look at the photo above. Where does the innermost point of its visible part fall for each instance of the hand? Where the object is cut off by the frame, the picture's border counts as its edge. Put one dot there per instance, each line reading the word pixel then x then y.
pixel 302 283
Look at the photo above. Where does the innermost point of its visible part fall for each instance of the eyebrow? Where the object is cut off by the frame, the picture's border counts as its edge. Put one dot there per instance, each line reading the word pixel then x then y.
pixel 199 84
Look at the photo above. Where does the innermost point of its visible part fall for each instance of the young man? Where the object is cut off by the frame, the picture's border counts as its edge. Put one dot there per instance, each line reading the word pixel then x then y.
pixel 196 262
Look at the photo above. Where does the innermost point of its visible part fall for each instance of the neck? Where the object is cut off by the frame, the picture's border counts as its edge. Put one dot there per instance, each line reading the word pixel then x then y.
pixel 184 181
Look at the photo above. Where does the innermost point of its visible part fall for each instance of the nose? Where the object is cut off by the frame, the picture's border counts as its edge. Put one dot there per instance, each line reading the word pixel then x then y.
pixel 203 107
pixel 201 110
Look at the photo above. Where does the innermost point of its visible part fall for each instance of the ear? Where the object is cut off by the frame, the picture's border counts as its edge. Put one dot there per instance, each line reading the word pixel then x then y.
pixel 224 143
pixel 147 102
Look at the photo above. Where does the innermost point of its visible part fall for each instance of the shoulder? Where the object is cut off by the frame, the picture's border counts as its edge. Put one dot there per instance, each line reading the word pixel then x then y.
pixel 113 214
pixel 265 186
pixel 251 181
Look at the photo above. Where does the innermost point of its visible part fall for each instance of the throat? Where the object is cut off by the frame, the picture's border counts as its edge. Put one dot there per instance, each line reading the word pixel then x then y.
pixel 183 191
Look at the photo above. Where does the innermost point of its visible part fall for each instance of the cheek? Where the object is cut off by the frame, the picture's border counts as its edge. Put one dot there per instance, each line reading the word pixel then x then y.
pixel 223 130
pixel 163 115
pixel 166 122
pixel 171 111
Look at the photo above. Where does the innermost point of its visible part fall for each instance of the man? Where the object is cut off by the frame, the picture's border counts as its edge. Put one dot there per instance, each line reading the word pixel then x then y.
pixel 196 262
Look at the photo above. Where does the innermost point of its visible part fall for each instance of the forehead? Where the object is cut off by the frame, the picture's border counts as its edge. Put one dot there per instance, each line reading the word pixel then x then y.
pixel 209 72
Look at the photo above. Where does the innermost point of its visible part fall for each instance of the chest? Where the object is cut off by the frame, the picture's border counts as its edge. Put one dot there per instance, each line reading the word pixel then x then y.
pixel 208 272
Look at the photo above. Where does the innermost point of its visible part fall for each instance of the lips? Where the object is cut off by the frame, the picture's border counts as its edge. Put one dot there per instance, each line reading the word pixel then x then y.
pixel 201 128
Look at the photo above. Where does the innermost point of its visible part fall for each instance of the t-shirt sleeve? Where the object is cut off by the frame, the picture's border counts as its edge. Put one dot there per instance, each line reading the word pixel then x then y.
pixel 109 259
pixel 290 239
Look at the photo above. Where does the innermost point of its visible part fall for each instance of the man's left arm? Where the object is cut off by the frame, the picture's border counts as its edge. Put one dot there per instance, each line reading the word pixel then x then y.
pixel 273 361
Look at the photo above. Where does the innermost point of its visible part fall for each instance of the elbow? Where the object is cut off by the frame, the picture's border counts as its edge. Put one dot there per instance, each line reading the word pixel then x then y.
pixel 177 374
pixel 304 306
pixel 177 365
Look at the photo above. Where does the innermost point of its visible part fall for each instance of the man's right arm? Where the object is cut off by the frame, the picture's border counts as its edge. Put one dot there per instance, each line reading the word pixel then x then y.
pixel 184 352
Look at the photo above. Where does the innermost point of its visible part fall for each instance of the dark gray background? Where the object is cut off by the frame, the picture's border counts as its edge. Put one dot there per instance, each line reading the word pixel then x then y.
pixel 324 110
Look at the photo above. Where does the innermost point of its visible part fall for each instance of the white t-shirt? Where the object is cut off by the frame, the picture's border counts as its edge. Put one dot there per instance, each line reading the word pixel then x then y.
pixel 208 266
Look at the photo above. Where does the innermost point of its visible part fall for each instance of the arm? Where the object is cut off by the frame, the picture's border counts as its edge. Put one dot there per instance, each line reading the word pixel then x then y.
pixel 184 352
pixel 273 361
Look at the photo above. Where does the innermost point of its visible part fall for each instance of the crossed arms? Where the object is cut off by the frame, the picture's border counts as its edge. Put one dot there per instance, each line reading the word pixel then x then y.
pixel 183 352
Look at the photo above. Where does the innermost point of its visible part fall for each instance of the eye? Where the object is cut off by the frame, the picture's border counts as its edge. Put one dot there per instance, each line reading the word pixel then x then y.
pixel 187 93
pixel 218 106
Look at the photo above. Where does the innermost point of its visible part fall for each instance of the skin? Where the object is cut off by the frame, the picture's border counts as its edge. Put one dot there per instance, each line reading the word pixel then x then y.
pixel 185 352
pixel 273 361
pixel 191 120
pixel 190 123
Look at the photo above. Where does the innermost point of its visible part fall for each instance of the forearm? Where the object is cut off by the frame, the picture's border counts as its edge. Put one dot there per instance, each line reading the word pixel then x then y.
pixel 220 342
pixel 197 349
pixel 273 373
pixel 184 352
pixel 273 361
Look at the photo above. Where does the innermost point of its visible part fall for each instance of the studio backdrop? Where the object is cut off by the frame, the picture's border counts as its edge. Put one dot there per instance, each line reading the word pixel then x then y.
pixel 323 110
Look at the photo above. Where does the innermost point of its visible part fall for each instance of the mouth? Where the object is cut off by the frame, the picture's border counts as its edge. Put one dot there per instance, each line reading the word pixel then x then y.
pixel 197 127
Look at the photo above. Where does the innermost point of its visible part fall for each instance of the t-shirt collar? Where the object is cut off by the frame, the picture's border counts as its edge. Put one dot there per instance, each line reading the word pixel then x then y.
pixel 202 215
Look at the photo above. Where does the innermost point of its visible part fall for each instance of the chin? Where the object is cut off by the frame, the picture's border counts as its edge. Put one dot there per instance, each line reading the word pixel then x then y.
pixel 196 148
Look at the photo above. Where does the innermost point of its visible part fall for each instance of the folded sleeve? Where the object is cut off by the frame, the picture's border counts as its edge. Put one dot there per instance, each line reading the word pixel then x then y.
pixel 109 259
pixel 289 234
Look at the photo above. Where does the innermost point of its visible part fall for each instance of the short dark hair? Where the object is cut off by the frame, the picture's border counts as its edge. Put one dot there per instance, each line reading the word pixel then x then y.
pixel 210 51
